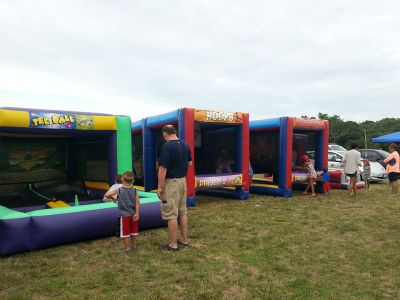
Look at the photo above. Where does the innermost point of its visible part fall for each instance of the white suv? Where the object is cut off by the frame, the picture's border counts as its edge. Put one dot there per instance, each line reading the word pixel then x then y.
pixel 337 148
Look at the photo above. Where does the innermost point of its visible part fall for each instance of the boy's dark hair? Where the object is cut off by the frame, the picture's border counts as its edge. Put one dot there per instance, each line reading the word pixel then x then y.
pixel 128 177
pixel 118 179
pixel 393 146
pixel 354 146
pixel 169 129
pixel 325 169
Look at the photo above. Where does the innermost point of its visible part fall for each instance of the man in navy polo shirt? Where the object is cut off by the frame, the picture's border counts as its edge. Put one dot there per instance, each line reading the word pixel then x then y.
pixel 174 160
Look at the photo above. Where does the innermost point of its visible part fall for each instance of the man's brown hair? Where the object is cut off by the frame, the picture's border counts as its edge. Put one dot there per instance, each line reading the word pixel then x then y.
pixel 393 146
pixel 169 129
pixel 118 179
pixel 128 177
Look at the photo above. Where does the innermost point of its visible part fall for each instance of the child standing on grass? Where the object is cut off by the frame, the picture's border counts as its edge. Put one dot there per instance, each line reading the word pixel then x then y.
pixel 326 178
pixel 367 173
pixel 128 206
pixel 115 186
pixel 312 175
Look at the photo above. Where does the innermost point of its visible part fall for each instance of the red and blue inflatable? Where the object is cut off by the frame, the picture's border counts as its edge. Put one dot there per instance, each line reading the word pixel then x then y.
pixel 210 135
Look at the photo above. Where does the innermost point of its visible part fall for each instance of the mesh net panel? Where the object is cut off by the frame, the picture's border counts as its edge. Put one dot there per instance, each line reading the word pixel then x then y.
pixel 213 143
pixel 90 160
pixel 30 160
pixel 264 153
pixel 55 168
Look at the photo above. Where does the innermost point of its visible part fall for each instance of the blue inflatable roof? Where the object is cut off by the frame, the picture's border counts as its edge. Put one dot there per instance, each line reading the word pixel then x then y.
pixel 388 138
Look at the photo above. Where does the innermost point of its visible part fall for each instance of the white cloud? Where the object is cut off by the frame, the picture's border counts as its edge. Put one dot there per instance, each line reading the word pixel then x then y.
pixel 270 58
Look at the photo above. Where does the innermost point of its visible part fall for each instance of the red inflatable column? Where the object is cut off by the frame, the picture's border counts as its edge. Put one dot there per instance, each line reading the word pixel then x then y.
pixel 326 142
pixel 289 152
pixel 189 138
pixel 245 151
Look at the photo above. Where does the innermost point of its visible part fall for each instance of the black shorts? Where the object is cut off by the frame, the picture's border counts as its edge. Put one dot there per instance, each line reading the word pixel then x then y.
pixel 393 176
pixel 352 175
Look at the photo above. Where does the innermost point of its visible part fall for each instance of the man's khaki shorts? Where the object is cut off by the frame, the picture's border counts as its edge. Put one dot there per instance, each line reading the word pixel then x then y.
pixel 174 198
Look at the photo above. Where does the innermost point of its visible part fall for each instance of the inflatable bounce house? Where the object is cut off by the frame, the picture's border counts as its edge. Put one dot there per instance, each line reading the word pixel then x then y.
pixel 55 167
pixel 219 142
pixel 339 180
pixel 276 148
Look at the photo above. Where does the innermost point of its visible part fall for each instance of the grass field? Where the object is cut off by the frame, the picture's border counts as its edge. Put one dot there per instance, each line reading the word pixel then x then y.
pixel 329 247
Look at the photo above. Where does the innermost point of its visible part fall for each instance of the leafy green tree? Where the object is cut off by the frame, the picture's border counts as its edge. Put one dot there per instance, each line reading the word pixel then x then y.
pixel 347 132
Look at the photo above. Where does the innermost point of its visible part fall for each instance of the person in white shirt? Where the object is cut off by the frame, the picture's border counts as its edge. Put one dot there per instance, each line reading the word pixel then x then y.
pixel 115 186
pixel 352 161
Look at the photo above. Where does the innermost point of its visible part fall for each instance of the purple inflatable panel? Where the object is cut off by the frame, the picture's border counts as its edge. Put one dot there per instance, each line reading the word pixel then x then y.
pixel 15 236
pixel 150 216
pixel 37 232
pixel 61 229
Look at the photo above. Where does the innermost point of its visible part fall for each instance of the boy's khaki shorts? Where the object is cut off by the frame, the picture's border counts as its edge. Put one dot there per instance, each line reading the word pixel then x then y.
pixel 174 198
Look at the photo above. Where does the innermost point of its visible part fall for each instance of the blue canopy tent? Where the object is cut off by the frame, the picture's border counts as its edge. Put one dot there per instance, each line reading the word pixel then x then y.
pixel 388 138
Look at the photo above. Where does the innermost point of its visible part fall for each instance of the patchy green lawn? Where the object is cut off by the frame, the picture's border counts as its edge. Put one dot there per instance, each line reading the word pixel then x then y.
pixel 267 247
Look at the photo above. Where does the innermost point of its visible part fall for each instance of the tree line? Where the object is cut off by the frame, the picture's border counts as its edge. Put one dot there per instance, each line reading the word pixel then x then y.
pixel 345 133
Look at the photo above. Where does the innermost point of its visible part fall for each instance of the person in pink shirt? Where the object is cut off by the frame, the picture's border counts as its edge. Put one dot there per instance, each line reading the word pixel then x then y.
pixel 392 168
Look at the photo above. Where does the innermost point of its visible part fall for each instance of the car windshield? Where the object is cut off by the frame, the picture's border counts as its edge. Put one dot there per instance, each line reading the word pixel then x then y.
pixel 383 153
pixel 338 148
pixel 332 156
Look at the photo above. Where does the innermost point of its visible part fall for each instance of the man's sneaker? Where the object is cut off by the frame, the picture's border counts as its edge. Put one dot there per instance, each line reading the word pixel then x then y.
pixel 124 250
pixel 167 247
pixel 180 244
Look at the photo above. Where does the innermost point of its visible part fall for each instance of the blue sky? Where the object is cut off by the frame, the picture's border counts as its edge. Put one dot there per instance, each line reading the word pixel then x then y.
pixel 141 58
